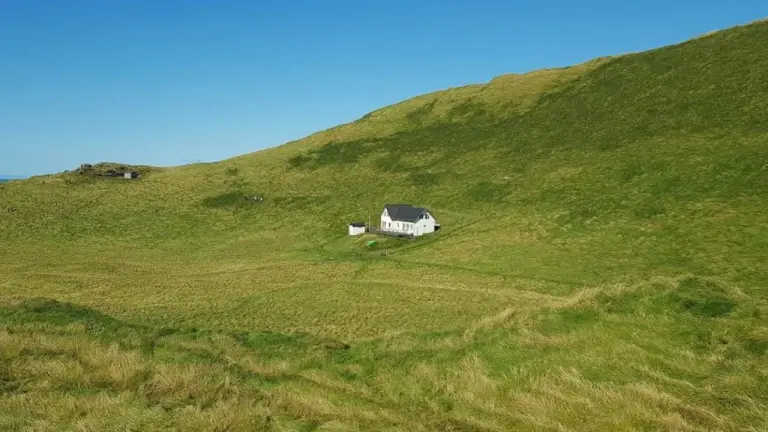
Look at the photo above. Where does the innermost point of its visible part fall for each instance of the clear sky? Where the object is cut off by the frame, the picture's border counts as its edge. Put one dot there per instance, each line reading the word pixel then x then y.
pixel 166 82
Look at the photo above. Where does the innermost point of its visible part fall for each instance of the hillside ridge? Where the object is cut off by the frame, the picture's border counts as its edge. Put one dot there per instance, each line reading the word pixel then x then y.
pixel 535 81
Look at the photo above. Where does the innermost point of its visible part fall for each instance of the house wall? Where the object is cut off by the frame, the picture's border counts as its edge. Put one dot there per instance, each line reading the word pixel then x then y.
pixel 387 224
pixel 425 226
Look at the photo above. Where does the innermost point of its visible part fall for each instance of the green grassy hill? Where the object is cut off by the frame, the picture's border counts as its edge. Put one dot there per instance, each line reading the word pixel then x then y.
pixel 601 266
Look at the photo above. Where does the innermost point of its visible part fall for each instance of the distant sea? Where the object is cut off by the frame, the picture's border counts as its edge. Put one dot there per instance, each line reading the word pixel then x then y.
pixel 3 180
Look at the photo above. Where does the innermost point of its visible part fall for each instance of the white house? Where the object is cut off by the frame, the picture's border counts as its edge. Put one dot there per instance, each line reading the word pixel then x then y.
pixel 406 219
pixel 356 228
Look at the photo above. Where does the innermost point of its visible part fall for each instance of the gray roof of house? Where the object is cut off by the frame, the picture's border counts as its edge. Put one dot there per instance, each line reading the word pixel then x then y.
pixel 404 212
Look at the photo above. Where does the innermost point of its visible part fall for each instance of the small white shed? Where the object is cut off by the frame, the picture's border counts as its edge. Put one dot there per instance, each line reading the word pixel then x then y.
pixel 356 228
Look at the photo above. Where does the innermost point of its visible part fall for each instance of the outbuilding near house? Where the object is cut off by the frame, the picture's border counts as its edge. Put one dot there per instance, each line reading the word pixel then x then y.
pixel 131 175
pixel 407 220
pixel 356 228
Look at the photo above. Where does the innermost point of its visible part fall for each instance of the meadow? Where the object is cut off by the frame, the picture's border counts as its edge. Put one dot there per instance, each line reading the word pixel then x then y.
pixel 601 266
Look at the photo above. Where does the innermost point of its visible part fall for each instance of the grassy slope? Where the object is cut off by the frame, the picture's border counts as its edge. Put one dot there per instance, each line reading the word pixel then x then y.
pixel 601 266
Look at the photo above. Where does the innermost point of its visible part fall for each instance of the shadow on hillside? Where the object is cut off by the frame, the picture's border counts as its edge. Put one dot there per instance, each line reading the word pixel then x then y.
pixel 53 313
pixel 418 138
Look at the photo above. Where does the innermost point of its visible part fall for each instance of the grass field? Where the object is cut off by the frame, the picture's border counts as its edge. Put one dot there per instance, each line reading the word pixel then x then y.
pixel 602 265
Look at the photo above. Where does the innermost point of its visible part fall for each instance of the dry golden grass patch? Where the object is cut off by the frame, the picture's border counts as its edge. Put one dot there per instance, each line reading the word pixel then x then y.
pixel 472 390
pixel 319 402
pixel 251 300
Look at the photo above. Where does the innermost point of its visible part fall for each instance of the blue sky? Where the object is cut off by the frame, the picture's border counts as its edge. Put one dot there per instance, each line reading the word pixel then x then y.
pixel 170 82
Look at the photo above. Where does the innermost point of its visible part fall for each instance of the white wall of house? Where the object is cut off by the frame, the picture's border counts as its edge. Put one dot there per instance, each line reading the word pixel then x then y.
pixel 388 224
pixel 426 225
pixel 386 221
